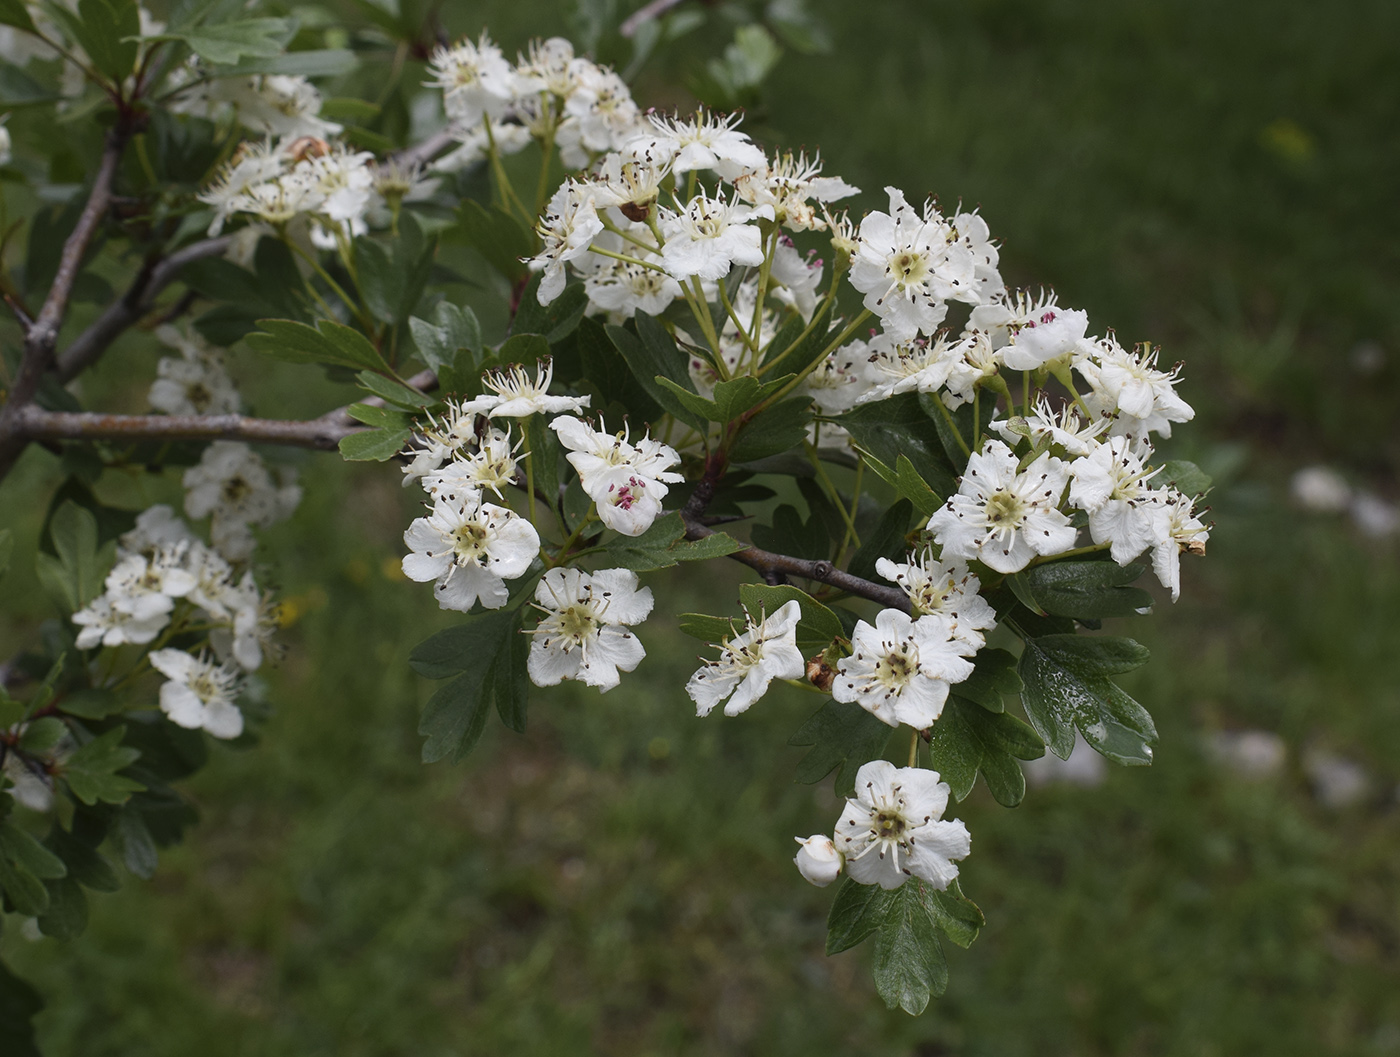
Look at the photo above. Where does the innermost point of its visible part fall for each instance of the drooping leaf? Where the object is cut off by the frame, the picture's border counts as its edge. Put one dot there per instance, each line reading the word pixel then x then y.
pixel 967 739
pixel 993 676
pixel 1086 590
pixel 909 965
pixel 327 342
pixel 1067 686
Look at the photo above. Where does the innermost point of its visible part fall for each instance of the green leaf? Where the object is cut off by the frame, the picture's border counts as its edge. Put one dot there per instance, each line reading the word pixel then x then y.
pixel 791 533
pixel 67 913
pixel 844 735
pixel 43 734
pixel 455 716
pixel 816 629
pixel 967 739
pixel 17 88
pixel 909 965
pixel 1067 686
pixel 23 850
pixel 885 540
pixel 453 329
pixel 510 678
pixel 393 275
pixel 75 577
pixel 1086 590
pixel 138 847
pixel 1188 478
pixel 106 29
pixel 1021 588
pixel 91 772
pixel 706 628
pixel 393 392
pixel 556 320
pixel 993 676
pixel 948 434
pixel 959 918
pixel 373 445
pixel 462 647
pixel 85 864
pixel 856 912
pixel 649 360
pixel 796 358
pixel 524 349
pixel 898 426
pixel 326 342
pixel 19 1003
pixel 496 235
pixel 225 43
pixel 664 545
pixel 28 894
pixel 92 703
pixel 914 488
pixel 314 62
pixel 12 13
pixel 731 398
pixel 774 430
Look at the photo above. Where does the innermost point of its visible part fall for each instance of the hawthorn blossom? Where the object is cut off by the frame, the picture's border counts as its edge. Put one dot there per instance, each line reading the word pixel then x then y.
pixel 630 185
pixel 248 634
pixel 512 393
pixel 628 287
pixel 1001 517
pixel 470 548
pixel 602 112
pixel 916 365
pixel 104 625
pixel 155 525
pixel 978 364
pixel 1046 425
pixel 566 230
pixel 789 186
pixel 584 632
pixel 842 380
pixel 627 481
pixel 709 236
pixel 976 237
pixel 943 589
pixel 818 860
pixel 233 486
pixel 1030 332
pixel 194 384
pixel 1178 531
pixel 764 651
pixel 1129 386
pixel 491 466
pixel 282 105
pixel 900 670
pixel 476 80
pixel 1110 484
pixel 147 588
pixel 708 141
pixel 909 266
pixel 893 828
pixel 199 693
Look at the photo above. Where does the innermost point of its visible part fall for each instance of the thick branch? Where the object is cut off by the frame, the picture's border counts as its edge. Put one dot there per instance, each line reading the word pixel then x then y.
pixel 767 562
pixel 155 275
pixel 321 433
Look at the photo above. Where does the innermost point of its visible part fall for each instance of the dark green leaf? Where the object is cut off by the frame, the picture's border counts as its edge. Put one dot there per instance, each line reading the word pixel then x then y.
pixel 373 445
pixel 43 734
pixel 28 894
pixel 948 434
pixel 888 428
pixel 105 29
pixel 844 735
pixel 959 918
pixel 774 430
pixel 909 965
pixel 1188 478
pixel 1067 686
pixel 453 329
pixel 796 358
pixel 664 545
pixel 650 359
pixel 137 845
pixel 85 863
pixel 225 43
pixel 1019 586
pixel 556 320
pixel 76 575
pixel 455 716
pixel 23 850
pixel 510 678
pixel 791 533
pixel 1086 590
pixel 886 540
pixel 67 914
pixel 463 647
pixel 393 392
pixel 497 236
pixel 17 88
pixel 524 349
pixel 816 629
pixel 994 676
pixel 314 62
pixel 707 628
pixel 967 739
pixel 12 13
pixel 856 912
pixel 914 488
pixel 327 342
pixel 91 772
pixel 19 1003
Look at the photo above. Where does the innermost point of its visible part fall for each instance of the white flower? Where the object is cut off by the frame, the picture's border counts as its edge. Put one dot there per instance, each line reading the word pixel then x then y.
pixel 547 66
pixel 900 669
pixel 710 235
pixel 476 80
pixel 144 588
pixel 1178 531
pixel 154 526
pixel 894 828
pixel 604 117
pixel 626 288
pixel 793 278
pixel 343 179
pixel 514 394
pixel 789 186
pixel 1129 385
pixel 252 165
pixel 475 142
pixel 843 379
pixel 709 141
pixel 566 230
pixel 626 481
pixel 979 363
pixel 972 231
pixel 909 266
pixel 630 184
pixel 1029 332
pixel 818 860
pixel 470 549
pixel 491 466
pixel 583 634
pixel 944 589
pixel 766 650
pixel 199 693
pixel 1001 517
pixel 194 384
pixel 251 629
pixel 232 485
pixel 105 625
pixel 915 365
pixel 1061 427
pixel 279 105
pixel 1110 484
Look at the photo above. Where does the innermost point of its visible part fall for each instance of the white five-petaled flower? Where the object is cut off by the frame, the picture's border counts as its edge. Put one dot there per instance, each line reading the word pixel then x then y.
pixel 567 229
pixel 627 481
pixel 817 859
pixel 1062 427
pixel 1110 484
pixel 1030 332
pixel 1178 531
pixel 944 589
pixel 1129 386
pixel 708 141
pixel 1001 517
pixel 766 650
pixel 710 235
pixel 195 383
pixel 514 394
pixel 491 466
pixel 476 80
pixel 915 365
pixel 900 669
pixel 233 485
pixel 146 587
pixel 909 265
pixel 199 692
pixel 105 625
pixel 789 186
pixel 894 828
pixel 584 632
pixel 470 548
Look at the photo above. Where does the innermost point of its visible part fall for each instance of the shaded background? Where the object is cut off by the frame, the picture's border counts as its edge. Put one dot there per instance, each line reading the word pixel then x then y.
pixel 1217 178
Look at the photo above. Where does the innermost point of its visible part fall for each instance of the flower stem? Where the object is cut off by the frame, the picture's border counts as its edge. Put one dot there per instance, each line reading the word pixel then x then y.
pixel 913 747
pixel 952 425
pixel 831 346
pixel 825 478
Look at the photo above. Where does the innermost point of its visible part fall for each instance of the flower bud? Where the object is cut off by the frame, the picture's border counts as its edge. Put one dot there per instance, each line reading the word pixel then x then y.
pixel 818 861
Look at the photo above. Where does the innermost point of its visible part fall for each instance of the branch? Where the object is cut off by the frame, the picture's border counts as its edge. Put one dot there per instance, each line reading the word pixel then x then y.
pixel 155 275
pixel 322 433
pixel 655 9
pixel 422 153
pixel 766 562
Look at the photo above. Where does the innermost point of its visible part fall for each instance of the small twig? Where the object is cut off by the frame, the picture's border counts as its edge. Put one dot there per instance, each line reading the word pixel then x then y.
pixel 651 11
pixel 37 424
pixel 766 563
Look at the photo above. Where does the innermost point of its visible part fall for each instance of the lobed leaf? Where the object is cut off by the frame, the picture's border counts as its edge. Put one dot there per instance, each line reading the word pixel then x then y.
pixel 842 735
pixel 1086 590
pixel 967 739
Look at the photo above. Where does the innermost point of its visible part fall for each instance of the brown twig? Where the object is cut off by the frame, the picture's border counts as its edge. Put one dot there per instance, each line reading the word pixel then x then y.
pixel 155 275
pixel 422 153
pixel 321 433
pixel 768 564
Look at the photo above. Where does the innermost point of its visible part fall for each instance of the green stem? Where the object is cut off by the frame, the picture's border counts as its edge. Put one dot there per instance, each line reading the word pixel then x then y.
pixel 765 271
pixel 623 257
pixel 563 555
pixel 695 297
pixel 354 306
pixel 831 346
pixel 729 307
pixel 913 747
pixel 542 186
pixel 1091 549
pixel 529 468
pixel 948 418
pixel 821 308
pixel 1026 393
pixel 626 236
pixel 508 195
pixel 855 508
pixel 834 495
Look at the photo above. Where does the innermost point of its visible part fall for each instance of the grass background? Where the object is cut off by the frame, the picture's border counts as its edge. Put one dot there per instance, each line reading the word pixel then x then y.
pixel 1218 178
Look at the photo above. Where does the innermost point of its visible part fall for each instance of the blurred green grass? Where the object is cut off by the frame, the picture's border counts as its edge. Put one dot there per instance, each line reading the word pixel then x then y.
pixel 616 881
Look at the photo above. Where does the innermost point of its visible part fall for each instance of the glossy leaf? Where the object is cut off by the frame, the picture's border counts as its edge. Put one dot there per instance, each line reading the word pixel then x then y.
pixel 842 735
pixel 967 739
pixel 1086 590
pixel 1067 686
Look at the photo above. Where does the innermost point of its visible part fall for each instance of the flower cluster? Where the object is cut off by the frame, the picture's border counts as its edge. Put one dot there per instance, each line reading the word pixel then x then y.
pixel 168 584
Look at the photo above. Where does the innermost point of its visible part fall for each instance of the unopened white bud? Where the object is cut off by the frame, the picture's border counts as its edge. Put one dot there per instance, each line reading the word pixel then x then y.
pixel 818 861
